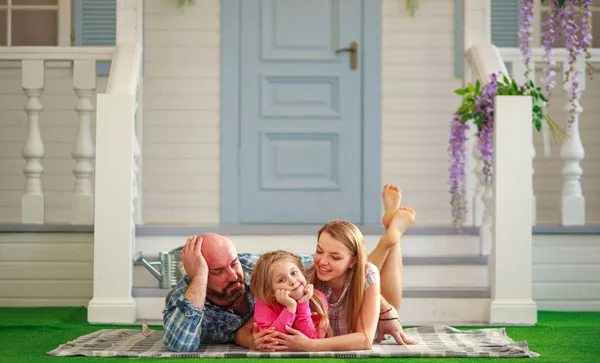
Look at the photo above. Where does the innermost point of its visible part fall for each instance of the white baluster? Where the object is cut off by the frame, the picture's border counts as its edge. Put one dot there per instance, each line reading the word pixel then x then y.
pixel 84 83
pixel 137 159
pixel 533 198
pixel 472 189
pixel 32 201
pixel 571 152
pixel 477 170
pixel 487 203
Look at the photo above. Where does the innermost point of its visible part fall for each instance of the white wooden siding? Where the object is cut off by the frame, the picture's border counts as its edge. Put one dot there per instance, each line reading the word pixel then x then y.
pixel 46 269
pixel 181 147
pixel 418 100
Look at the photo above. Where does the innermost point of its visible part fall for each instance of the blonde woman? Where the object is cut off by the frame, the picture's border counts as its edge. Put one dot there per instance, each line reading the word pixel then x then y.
pixel 357 301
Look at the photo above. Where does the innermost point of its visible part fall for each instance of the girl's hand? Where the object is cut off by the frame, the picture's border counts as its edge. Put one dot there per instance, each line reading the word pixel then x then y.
pixel 309 290
pixel 295 341
pixel 283 297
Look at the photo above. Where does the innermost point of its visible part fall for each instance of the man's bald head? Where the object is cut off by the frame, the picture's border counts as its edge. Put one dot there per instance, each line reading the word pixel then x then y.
pixel 217 250
pixel 226 281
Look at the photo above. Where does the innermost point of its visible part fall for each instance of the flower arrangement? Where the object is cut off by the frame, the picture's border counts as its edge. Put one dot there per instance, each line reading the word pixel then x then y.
pixel 478 105
pixel 478 100
pixel 568 18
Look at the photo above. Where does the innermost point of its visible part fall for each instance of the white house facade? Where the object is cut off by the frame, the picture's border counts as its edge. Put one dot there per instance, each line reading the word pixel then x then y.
pixel 261 120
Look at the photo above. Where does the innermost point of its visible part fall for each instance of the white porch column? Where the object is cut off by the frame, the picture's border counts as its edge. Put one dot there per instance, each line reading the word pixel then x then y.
pixel 571 152
pixel 84 83
pixel 114 231
pixel 518 74
pixel 32 201
pixel 511 259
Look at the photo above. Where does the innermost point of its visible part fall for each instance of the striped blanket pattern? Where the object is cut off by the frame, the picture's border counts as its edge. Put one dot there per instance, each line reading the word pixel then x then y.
pixel 433 341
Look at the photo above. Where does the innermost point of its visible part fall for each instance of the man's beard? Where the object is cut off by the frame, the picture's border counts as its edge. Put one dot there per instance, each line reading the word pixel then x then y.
pixel 226 294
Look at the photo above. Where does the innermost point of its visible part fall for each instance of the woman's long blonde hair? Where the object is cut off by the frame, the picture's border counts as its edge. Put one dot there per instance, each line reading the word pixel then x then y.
pixel 261 286
pixel 350 236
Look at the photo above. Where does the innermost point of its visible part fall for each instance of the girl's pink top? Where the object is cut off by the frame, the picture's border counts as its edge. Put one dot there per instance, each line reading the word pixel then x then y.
pixel 279 317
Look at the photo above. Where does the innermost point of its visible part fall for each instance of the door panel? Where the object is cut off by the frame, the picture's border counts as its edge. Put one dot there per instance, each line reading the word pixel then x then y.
pixel 300 112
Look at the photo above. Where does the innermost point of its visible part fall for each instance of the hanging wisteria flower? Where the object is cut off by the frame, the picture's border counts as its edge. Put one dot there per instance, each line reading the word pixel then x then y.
pixel 478 106
pixel 458 138
pixel 549 34
pixel 484 118
pixel 571 19
pixel 586 36
pixel 525 34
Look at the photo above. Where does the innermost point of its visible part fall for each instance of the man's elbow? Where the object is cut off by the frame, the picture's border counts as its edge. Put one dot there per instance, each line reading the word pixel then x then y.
pixel 176 346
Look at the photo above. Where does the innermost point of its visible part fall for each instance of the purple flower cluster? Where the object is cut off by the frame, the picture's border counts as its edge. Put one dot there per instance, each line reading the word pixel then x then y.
pixel 457 153
pixel 484 107
pixel 525 34
pixel 586 35
pixel 566 20
pixel 483 114
pixel 549 34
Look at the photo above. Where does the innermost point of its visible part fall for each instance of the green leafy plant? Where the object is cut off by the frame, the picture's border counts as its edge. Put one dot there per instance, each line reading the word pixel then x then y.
pixel 183 3
pixel 473 107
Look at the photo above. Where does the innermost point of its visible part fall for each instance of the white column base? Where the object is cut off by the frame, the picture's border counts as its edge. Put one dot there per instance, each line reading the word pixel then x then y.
pixel 32 209
pixel 513 311
pixel 112 311
pixel 82 209
pixel 573 211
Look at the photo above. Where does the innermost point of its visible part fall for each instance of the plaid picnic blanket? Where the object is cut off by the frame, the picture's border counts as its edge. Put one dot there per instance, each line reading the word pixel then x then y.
pixel 434 341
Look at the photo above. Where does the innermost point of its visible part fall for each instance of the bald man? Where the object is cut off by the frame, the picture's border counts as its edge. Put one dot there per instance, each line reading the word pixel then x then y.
pixel 213 301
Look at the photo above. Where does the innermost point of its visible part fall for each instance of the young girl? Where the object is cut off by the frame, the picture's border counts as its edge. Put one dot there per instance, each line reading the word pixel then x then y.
pixel 283 298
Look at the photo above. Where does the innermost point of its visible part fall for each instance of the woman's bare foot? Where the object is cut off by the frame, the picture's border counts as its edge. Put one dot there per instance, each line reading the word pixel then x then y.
pixel 391 196
pixel 401 220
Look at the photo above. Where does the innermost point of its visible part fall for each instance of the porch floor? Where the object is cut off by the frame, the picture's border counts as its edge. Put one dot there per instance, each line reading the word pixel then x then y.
pixel 28 333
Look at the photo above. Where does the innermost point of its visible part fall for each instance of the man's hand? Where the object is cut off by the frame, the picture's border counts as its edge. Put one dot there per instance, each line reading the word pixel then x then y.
pixel 283 297
pixel 193 261
pixel 308 293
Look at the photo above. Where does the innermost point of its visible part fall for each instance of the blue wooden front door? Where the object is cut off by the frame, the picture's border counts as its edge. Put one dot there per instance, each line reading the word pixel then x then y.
pixel 300 112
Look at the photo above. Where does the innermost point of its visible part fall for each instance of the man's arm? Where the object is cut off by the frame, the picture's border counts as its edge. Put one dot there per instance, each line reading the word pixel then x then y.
pixel 182 317
pixel 182 322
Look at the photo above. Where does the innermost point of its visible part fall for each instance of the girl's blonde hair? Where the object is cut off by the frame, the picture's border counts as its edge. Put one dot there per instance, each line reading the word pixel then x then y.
pixel 350 236
pixel 261 285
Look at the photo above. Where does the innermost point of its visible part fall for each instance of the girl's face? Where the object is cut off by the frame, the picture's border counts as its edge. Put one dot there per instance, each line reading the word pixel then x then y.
pixel 332 258
pixel 287 276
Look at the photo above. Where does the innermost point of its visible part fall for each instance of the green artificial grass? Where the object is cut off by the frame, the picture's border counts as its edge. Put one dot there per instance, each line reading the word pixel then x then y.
pixel 26 334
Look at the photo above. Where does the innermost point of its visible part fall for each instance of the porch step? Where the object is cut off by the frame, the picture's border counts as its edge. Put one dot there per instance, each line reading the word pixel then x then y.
pixel 420 272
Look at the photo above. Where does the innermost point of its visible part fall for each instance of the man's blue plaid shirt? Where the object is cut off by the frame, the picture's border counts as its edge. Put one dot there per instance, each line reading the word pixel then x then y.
pixel 187 325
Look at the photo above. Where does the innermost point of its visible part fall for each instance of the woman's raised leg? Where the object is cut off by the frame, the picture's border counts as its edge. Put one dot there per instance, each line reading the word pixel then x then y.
pixel 387 255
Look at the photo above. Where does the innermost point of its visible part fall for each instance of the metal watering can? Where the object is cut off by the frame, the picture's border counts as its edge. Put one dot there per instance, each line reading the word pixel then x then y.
pixel 168 262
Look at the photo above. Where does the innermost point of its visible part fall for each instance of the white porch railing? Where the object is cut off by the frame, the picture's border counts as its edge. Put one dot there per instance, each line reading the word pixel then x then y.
pixel 33 62
pixel 117 161
pixel 571 151
pixel 480 196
